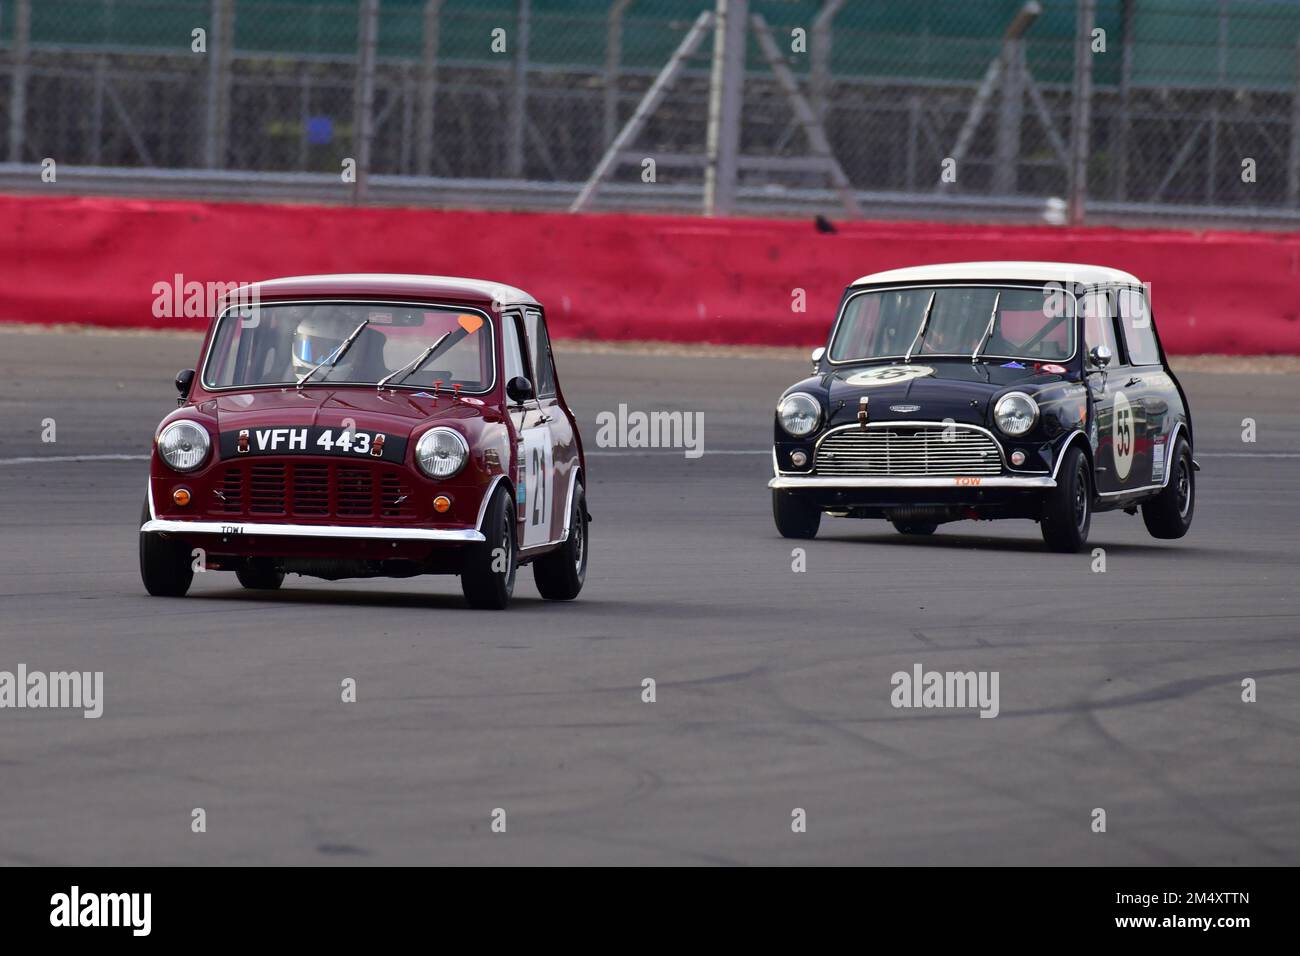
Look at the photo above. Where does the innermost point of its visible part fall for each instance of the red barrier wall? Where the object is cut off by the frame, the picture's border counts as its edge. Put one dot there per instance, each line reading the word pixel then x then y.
pixel 613 276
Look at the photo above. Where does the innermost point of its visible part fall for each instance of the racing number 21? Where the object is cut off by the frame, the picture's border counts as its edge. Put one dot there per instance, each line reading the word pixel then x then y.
pixel 537 466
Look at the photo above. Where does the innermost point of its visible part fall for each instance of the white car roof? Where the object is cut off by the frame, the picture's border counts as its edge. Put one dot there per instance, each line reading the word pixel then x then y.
pixel 396 283
pixel 1063 272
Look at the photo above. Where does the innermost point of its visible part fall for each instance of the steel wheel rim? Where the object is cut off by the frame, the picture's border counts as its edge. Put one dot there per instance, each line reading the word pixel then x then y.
pixel 579 544
pixel 1184 489
pixel 1080 498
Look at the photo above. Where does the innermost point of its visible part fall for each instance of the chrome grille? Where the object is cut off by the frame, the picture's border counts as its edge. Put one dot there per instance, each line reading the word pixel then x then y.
pixel 908 450
pixel 312 490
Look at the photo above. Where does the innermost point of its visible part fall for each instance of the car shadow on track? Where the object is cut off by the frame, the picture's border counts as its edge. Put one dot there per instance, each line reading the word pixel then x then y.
pixel 1030 543
pixel 308 594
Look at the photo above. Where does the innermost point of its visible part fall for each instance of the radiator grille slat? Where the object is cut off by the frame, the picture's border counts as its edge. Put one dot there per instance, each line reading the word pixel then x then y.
pixel 908 451
pixel 312 490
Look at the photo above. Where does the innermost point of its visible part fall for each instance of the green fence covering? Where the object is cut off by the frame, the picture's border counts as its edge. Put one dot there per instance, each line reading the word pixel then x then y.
pixel 1244 44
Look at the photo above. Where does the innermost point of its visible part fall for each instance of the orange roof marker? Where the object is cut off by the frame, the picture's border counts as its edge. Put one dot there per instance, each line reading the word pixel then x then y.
pixel 470 323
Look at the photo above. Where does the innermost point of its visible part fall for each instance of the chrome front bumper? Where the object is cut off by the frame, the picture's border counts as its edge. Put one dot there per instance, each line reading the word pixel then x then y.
pixel 792 482
pixel 452 536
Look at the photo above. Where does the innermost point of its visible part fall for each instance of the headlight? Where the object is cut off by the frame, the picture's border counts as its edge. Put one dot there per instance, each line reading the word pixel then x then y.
pixel 1015 413
pixel 184 445
pixel 441 452
pixel 799 414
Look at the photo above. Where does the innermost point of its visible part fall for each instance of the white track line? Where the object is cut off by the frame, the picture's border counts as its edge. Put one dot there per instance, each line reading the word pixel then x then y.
pixel 641 453
pixel 67 458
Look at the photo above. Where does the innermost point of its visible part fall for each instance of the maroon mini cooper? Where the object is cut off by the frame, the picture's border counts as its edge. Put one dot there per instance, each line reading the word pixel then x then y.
pixel 370 426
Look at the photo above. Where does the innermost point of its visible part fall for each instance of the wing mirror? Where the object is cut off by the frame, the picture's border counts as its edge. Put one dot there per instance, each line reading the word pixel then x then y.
pixel 817 354
pixel 519 390
pixel 184 379
pixel 1100 356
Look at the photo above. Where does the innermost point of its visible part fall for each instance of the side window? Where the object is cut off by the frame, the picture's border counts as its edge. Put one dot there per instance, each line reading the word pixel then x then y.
pixel 1135 316
pixel 510 346
pixel 1098 326
pixel 539 353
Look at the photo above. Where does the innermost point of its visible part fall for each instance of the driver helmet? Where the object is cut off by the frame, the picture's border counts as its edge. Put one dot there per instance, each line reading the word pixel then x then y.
pixel 314 340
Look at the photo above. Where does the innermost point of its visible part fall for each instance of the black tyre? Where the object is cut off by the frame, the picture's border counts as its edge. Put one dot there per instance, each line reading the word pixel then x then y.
pixel 488 575
pixel 560 574
pixel 260 574
pixel 1169 514
pixel 1067 509
pixel 915 527
pixel 165 565
pixel 795 517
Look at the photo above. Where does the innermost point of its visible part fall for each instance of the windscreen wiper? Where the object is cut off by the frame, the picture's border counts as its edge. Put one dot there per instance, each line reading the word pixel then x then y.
pixel 338 353
pixel 988 332
pixel 413 366
pixel 920 333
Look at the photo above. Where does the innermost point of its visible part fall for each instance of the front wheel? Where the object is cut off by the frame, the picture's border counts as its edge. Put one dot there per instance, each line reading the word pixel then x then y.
pixel 487 577
pixel 260 574
pixel 795 517
pixel 1067 509
pixel 915 527
pixel 1169 514
pixel 559 575
pixel 165 566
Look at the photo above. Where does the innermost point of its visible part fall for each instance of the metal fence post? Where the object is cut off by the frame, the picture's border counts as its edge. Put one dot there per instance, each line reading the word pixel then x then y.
pixel 18 87
pixel 1081 109
pixel 1293 167
pixel 1125 100
pixel 726 95
pixel 428 87
pixel 613 60
pixel 820 56
pixel 518 95
pixel 1010 118
pixel 363 118
pixel 220 45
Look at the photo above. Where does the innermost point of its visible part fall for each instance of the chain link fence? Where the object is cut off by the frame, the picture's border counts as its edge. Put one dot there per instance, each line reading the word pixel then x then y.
pixel 925 103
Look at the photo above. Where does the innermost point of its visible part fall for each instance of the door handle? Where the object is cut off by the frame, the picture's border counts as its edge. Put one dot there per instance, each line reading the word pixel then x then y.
pixel 1133 381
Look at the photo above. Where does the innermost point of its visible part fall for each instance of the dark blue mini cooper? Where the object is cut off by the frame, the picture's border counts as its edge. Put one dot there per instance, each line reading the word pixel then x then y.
pixel 988 390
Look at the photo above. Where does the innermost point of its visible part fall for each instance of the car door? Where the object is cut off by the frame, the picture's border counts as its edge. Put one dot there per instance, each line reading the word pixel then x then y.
pixel 535 443
pixel 564 442
pixel 1111 424
pixel 1141 384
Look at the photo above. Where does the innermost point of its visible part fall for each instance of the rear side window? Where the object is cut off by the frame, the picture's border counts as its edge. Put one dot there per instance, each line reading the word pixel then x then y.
pixel 1139 338
pixel 514 358
pixel 539 351
pixel 1098 329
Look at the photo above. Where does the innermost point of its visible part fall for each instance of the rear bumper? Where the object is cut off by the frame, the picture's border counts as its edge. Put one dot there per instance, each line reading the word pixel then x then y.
pixel 816 482
pixel 235 528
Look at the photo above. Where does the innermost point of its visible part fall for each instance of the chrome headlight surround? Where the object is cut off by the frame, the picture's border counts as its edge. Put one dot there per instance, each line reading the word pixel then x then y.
pixel 1015 413
pixel 184 445
pixel 799 414
pixel 441 452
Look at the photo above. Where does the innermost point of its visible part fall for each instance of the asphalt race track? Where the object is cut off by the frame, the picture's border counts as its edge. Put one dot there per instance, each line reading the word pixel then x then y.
pixel 1119 690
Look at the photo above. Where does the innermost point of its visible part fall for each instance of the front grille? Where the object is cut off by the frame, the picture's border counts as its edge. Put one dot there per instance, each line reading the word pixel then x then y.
pixel 312 490
pixel 908 450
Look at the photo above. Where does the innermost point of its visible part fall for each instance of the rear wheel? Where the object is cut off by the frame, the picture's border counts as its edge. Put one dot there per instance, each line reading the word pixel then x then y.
pixel 1067 509
pixel 1169 514
pixel 165 565
pixel 795 517
pixel 915 527
pixel 559 575
pixel 487 577
pixel 260 574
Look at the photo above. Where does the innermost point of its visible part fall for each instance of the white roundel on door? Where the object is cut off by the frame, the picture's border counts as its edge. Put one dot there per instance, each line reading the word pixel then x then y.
pixel 1122 436
pixel 888 375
